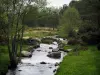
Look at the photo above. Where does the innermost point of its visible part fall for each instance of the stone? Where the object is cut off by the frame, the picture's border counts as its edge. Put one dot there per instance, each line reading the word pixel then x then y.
pixel 50 67
pixel 37 46
pixel 55 50
pixel 26 54
pixel 50 48
pixel 19 70
pixel 32 41
pixel 43 63
pixel 56 64
pixel 54 70
pixel 56 55
pixel 68 50
pixel 38 50
pixel 55 43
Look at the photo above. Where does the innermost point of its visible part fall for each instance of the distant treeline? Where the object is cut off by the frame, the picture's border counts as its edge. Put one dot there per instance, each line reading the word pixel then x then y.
pixel 42 17
pixel 81 20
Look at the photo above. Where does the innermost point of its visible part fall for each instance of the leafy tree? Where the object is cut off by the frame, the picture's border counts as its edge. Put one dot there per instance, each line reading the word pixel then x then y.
pixel 69 22
pixel 31 17
pixel 11 19
pixel 63 9
pixel 45 17
pixel 90 14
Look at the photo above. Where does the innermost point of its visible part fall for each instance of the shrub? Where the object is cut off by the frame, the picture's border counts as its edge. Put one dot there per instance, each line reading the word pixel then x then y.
pixel 76 49
pixel 98 46
pixel 30 41
pixel 83 48
pixel 74 41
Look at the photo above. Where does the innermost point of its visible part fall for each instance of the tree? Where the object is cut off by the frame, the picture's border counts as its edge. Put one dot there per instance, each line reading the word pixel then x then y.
pixel 31 17
pixel 90 14
pixel 46 17
pixel 12 17
pixel 69 22
pixel 63 9
pixel 40 3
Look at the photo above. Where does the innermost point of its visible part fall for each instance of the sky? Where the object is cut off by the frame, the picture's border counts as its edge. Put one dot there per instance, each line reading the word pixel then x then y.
pixel 58 3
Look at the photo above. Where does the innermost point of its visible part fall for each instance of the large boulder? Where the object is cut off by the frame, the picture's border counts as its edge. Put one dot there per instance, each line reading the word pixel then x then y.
pixel 43 62
pixel 32 41
pixel 26 54
pixel 56 55
pixel 48 40
pixel 55 50
pixel 55 43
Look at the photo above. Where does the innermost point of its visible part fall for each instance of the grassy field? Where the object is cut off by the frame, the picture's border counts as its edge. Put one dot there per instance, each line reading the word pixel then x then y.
pixel 86 63
pixel 39 32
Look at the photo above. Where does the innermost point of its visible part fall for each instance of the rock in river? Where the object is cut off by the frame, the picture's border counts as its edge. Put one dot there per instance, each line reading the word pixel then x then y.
pixel 54 55
pixel 43 63
pixel 26 54
pixel 55 50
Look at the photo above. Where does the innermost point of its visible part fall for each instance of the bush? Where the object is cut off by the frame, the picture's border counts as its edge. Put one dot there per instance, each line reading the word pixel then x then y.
pixel 91 39
pixel 83 48
pixel 98 46
pixel 30 41
pixel 73 41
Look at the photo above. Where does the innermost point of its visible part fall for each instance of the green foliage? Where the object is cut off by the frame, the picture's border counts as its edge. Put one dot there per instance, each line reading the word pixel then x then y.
pixel 74 41
pixel 3 26
pixel 31 16
pixel 42 17
pixel 69 23
pixel 3 49
pixel 89 33
pixel 98 46
pixel 4 62
pixel 86 63
pixel 90 14
pixel 67 47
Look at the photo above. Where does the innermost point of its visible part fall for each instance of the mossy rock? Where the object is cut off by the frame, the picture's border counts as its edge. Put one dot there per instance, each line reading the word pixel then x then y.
pixel 48 40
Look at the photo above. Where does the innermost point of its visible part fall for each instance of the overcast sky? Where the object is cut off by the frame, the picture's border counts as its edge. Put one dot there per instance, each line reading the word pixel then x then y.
pixel 58 3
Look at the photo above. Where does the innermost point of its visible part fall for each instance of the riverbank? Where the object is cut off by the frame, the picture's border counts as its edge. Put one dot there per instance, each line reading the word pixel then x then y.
pixel 86 63
pixel 40 63
pixel 4 60
pixel 29 32
pixel 39 32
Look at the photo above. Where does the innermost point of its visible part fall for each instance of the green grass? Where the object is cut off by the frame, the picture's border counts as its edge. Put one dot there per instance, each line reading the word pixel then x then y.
pixel 3 49
pixel 68 47
pixel 39 33
pixel 86 63
pixel 4 60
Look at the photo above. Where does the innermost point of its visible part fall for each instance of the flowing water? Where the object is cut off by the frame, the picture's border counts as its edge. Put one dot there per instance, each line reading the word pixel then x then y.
pixel 33 66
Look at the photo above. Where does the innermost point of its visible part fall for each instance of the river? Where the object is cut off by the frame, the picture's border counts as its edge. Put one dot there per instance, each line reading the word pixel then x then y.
pixel 33 66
